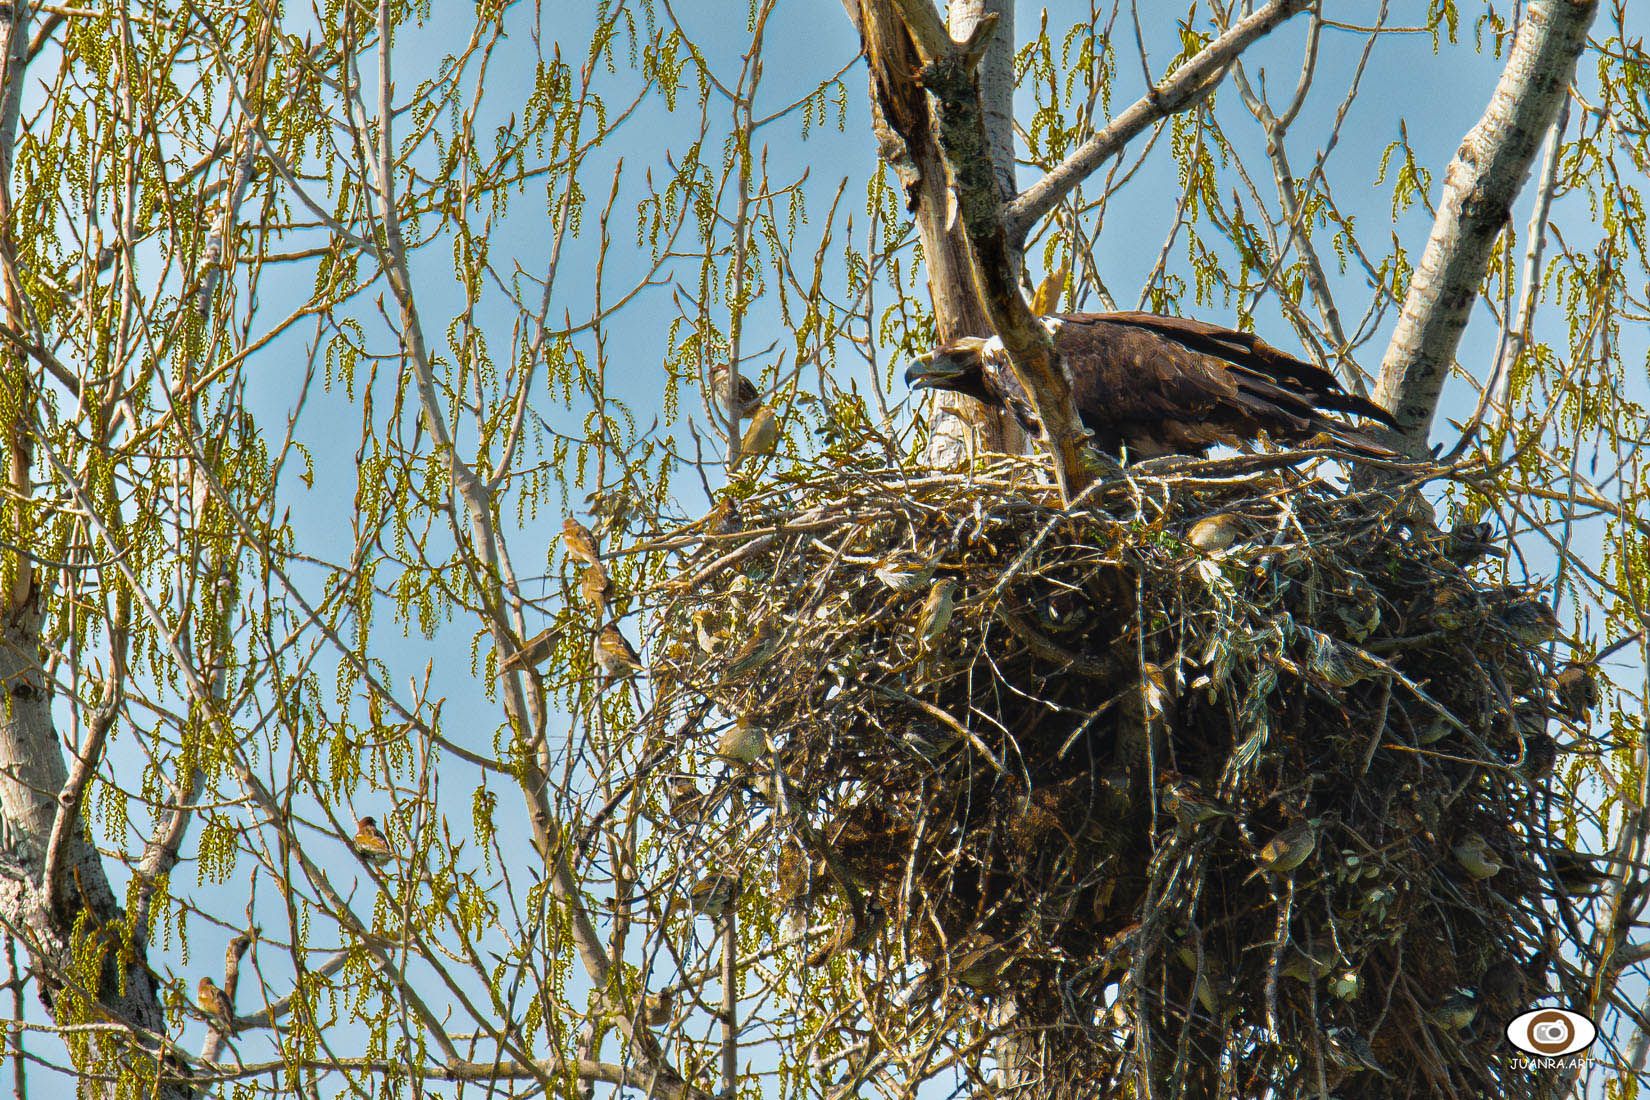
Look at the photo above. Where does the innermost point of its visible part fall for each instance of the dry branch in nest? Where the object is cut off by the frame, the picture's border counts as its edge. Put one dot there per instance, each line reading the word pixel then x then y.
pixel 1225 778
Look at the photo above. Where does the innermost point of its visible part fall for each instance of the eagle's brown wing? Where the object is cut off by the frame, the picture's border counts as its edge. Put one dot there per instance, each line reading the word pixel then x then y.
pixel 1248 353
pixel 1243 348
pixel 1164 385
pixel 1134 389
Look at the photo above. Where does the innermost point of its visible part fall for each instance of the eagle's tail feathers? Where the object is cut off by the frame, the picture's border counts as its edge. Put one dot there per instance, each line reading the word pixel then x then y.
pixel 1357 406
pixel 1289 416
pixel 1357 442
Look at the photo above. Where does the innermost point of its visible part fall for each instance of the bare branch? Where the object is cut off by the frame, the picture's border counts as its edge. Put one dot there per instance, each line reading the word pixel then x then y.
pixel 1183 88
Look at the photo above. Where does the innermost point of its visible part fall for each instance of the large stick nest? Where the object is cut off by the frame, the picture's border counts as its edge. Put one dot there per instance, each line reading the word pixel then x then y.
pixel 1061 805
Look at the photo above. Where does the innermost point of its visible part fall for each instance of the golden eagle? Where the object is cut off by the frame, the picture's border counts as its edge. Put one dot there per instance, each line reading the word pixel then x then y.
pixel 1156 385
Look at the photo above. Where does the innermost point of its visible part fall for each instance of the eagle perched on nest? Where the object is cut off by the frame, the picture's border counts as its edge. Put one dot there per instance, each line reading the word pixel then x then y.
pixel 1158 385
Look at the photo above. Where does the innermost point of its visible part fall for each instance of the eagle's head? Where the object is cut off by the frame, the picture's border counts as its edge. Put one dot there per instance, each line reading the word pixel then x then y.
pixel 974 367
pixel 959 366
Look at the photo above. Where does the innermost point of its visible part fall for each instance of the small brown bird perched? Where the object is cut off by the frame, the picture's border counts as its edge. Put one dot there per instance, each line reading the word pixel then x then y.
pixel 685 801
pixel 1577 874
pixel 1457 607
pixel 1215 533
pixel 743 742
pixel 762 437
pixel 1540 756
pixel 658 1008
pixel 721 390
pixel 935 616
pixel 613 654
pixel 580 543
pixel 214 1003
pixel 370 843
pixel 1457 1011
pixel 713 894
pixel 756 652
pixel 1336 664
pixel 1528 622
pixel 1290 848
pixel 1575 689
pixel 596 588
pixel 1465 543
pixel 929 740
pixel 1186 804
pixel 1476 856
pixel 981 963
pixel 1156 385
pixel 724 518
pixel 1350 1050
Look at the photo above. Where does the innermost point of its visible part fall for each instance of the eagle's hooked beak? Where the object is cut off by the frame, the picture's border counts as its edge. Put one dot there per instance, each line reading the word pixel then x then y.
pixel 936 370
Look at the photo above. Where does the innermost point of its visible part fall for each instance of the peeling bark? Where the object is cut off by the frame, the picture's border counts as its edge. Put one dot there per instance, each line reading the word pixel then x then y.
pixel 996 76
pixel 906 141
pixel 1479 188
pixel 950 72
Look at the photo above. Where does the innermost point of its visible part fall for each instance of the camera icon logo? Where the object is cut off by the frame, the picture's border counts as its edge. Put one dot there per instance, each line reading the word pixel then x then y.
pixel 1551 1032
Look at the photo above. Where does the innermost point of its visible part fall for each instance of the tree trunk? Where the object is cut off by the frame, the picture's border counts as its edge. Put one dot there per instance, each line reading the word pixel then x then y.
pixel 87 963
pixel 996 73
pixel 906 140
pixel 1479 188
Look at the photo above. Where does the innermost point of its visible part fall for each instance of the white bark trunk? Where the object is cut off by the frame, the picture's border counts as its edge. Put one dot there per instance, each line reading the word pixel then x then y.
pixel 996 74
pixel 1479 188
pixel 59 921
pixel 42 916
pixel 952 430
